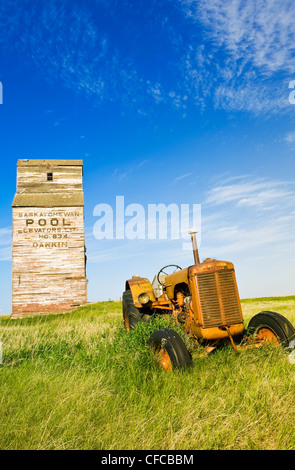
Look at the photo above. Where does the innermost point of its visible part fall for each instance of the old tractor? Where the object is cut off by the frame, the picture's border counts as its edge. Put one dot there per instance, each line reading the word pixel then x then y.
pixel 204 298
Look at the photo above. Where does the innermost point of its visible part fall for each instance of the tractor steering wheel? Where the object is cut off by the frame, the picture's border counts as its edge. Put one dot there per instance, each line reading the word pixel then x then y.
pixel 177 268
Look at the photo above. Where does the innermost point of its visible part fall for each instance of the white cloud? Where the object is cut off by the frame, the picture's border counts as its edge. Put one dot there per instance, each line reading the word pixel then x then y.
pixel 256 216
pixel 181 177
pixel 235 53
pixel 290 137
pixel 121 173
pixel 64 43
pixel 247 53
pixel 257 31
pixel 5 243
pixel 252 192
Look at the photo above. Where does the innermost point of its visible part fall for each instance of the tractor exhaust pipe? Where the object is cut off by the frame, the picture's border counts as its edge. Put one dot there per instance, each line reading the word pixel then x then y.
pixel 192 233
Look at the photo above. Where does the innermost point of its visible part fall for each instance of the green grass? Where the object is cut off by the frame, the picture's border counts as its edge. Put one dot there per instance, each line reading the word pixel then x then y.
pixel 80 381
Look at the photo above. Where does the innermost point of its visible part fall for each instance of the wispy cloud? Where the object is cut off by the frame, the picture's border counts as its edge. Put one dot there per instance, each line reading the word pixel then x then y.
pixel 289 138
pixel 249 213
pixel 260 32
pixel 120 173
pixel 246 56
pixel 181 177
pixel 64 43
pixel 5 243
pixel 234 55
pixel 255 192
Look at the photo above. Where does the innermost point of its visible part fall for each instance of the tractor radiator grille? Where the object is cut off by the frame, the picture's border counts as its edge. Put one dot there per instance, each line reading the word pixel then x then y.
pixel 219 299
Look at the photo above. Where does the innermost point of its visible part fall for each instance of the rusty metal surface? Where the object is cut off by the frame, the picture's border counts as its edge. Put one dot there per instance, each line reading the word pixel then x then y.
pixel 137 286
pixel 219 299
pixel 211 309
pixel 173 279
pixel 215 299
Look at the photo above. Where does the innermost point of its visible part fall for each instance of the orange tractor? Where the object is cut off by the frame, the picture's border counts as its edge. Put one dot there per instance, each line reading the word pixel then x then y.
pixel 204 298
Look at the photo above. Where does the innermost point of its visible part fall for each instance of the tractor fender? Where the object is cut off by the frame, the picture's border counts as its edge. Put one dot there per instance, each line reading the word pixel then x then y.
pixel 139 285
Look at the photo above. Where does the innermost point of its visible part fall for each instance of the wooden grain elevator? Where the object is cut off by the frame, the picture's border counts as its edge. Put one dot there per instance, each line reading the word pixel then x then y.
pixel 48 241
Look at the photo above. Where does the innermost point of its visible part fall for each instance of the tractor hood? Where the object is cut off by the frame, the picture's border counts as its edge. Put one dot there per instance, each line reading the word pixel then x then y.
pixel 179 277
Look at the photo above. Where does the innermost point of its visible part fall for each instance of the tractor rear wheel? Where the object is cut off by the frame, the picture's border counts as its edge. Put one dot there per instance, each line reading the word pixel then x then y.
pixel 131 314
pixel 170 350
pixel 271 327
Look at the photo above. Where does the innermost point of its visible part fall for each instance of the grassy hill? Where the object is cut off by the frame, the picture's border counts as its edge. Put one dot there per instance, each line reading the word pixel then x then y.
pixel 80 381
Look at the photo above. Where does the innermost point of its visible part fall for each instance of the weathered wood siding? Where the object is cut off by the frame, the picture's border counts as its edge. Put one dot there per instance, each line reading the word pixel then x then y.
pixel 34 179
pixel 48 266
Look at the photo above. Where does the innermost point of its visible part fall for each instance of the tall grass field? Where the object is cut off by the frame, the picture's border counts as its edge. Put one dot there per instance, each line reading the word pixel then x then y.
pixel 80 381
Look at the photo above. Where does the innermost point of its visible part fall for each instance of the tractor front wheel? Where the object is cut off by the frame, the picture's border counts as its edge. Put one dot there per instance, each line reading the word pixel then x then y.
pixel 271 327
pixel 170 350
pixel 131 314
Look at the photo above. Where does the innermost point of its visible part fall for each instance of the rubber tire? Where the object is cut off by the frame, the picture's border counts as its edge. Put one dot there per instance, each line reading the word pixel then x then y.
pixel 133 314
pixel 277 323
pixel 174 346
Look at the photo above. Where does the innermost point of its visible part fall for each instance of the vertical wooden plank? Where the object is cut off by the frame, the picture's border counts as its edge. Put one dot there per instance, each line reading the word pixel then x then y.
pixel 48 248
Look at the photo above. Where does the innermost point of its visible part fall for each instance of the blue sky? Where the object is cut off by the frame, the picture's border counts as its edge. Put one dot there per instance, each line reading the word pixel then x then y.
pixel 181 101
